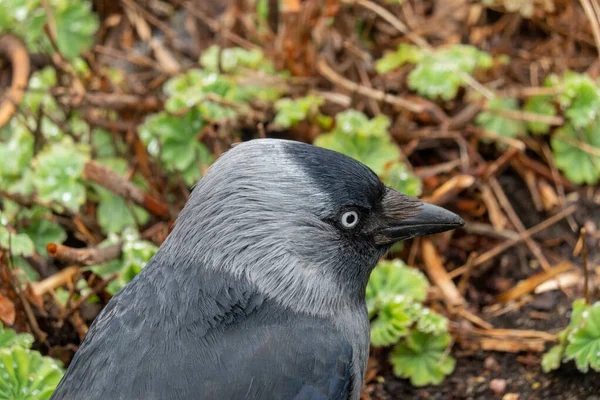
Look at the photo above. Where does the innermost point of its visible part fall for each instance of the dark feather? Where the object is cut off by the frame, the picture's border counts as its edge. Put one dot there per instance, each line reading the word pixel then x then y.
pixel 221 341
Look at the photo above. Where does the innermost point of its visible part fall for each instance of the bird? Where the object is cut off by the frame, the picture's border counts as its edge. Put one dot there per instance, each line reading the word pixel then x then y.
pixel 258 292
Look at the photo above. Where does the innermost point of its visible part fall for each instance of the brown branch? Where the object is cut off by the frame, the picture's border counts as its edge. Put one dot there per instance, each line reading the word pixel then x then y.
pixel 586 270
pixel 542 170
pixel 334 77
pixel 84 256
pixel 97 289
pixel 15 51
pixel 116 101
pixel 109 179
pixel 530 284
pixel 56 280
pixel 502 247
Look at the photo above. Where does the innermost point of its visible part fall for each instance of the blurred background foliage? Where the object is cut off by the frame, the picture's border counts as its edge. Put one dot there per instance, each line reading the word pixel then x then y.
pixel 111 110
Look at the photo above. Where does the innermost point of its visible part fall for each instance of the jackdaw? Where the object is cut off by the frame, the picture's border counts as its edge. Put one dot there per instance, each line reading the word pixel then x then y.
pixel 259 290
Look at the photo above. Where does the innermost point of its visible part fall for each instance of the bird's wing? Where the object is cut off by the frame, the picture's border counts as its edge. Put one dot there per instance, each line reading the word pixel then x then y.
pixel 234 344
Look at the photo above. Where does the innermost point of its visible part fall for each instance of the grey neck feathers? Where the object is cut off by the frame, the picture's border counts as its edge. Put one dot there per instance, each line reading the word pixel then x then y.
pixel 244 237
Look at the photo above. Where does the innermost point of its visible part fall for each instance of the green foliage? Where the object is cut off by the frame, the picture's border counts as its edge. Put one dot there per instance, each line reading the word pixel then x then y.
pixel 392 322
pixel 217 93
pixel 291 112
pixel 584 340
pixel 18 243
pixel 58 170
pixel 75 24
pixel 541 105
pixel 571 156
pixel 24 373
pixel 235 59
pixel 423 358
pixel 493 120
pixel 9 337
pixel 392 60
pixel 394 296
pixel 136 254
pixel 224 93
pixel 579 341
pixel 175 141
pixel 42 231
pixel 579 97
pixel 368 141
pixel 437 73
pixel 114 214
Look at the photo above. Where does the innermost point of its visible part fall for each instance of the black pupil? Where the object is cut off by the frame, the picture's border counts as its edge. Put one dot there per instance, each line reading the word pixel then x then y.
pixel 350 218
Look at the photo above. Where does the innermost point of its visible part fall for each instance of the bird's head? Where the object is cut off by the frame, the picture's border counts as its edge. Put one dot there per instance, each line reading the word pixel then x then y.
pixel 298 221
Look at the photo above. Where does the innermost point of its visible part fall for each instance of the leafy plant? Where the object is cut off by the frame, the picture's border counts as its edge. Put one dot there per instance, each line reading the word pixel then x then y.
pixel 368 141
pixel 18 243
pixel 174 140
pixel 579 341
pixel 223 92
pixel 579 97
pixel 394 296
pixel 424 358
pixel 290 112
pixel 58 169
pixel 24 373
pixel 74 21
pixel 392 60
pixel 9 337
pixel 113 213
pixel 541 105
pixel 136 254
pixel 494 121
pixel 572 149
pixel 437 73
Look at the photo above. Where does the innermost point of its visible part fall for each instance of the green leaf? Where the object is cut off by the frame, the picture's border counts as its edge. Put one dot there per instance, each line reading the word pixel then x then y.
pixel 290 112
pixel 579 97
pixel 42 232
pixel 58 170
pixel 391 324
pixel 551 360
pixel 15 155
pixel 114 213
pixel 19 244
pixel 135 256
pixel 423 358
pixel 494 122
pixel 541 105
pixel 406 53
pixel 76 25
pixel 395 281
pixel 178 137
pixel 584 346
pixel 429 321
pixel 9 337
pixel 368 141
pixel 578 165
pixel 27 375
pixel 233 59
pixel 436 73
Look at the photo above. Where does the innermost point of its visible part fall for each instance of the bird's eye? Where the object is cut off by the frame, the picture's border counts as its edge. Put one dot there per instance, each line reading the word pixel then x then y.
pixel 349 219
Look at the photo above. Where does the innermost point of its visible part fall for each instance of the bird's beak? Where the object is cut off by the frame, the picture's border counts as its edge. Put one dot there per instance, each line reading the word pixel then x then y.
pixel 403 223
